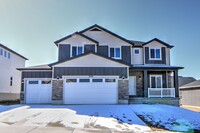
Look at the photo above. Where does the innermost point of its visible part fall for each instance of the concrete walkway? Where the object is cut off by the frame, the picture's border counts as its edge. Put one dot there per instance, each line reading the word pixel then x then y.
pixel 77 118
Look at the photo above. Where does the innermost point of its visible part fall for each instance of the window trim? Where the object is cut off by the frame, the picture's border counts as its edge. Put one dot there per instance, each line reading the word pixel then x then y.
pixel 76 49
pixel 120 50
pixel 155 54
pixel 156 75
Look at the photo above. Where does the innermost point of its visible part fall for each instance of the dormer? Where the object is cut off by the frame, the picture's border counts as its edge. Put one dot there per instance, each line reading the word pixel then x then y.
pixel 156 52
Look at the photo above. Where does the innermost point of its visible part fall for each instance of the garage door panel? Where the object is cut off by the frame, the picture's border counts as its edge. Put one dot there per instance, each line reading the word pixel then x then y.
pixel 96 92
pixel 38 93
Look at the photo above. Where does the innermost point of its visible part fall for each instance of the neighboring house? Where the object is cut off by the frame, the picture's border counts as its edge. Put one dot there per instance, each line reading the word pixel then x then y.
pixel 185 80
pixel 10 77
pixel 190 94
pixel 97 66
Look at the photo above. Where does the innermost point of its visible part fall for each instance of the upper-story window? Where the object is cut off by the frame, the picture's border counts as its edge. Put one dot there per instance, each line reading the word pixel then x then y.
pixel 136 51
pixel 8 55
pixel 1 51
pixel 5 53
pixel 155 54
pixel 115 52
pixel 77 50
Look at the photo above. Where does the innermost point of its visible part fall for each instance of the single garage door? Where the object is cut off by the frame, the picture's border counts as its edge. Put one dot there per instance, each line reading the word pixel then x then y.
pixel 91 90
pixel 38 91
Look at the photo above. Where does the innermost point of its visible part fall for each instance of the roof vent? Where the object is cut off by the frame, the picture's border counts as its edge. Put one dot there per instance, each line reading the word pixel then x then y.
pixel 95 29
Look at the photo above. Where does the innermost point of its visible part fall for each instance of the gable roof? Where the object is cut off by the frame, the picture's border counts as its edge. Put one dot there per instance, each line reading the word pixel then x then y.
pixel 1 45
pixel 97 26
pixel 194 84
pixel 72 58
pixel 76 33
pixel 158 40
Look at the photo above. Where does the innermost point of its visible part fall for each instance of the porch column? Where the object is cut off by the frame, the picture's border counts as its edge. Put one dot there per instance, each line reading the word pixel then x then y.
pixel 176 86
pixel 145 84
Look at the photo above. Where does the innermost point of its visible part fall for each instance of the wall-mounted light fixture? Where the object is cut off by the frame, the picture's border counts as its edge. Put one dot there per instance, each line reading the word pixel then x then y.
pixel 58 78
pixel 140 77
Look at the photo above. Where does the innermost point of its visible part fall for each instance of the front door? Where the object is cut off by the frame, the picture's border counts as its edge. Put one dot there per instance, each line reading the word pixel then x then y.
pixel 132 85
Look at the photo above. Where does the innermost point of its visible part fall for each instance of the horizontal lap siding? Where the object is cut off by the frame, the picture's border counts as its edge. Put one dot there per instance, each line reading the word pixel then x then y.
pixel 65 71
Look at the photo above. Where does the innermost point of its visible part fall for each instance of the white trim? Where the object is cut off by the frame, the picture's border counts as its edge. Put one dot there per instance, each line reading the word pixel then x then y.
pixel 76 49
pixel 155 54
pixel 155 75
pixel 25 80
pixel 114 52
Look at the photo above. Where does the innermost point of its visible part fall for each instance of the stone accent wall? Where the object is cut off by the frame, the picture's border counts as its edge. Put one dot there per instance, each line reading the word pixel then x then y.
pixel 123 93
pixel 22 95
pixel 57 91
pixel 139 82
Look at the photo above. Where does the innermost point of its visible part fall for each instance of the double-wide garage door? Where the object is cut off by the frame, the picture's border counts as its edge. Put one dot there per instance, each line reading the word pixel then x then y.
pixel 90 90
pixel 38 91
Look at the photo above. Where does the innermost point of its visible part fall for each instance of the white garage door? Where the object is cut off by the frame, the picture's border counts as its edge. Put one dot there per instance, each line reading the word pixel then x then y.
pixel 38 91
pixel 90 90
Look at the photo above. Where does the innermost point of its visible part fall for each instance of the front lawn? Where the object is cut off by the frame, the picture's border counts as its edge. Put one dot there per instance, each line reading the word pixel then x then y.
pixel 168 117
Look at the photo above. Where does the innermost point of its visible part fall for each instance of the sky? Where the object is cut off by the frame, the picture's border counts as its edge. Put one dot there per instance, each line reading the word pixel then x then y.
pixel 30 27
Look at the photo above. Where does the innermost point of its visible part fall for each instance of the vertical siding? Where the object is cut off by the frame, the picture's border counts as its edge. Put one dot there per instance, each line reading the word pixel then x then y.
pixel 102 50
pixel 64 71
pixel 64 52
pixel 126 54
pixel 89 48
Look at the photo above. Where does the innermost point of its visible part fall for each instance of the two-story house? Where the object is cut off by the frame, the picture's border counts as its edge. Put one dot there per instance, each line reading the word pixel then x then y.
pixel 97 66
pixel 10 77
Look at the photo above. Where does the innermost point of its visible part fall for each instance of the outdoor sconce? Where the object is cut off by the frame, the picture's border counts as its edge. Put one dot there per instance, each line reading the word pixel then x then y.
pixel 140 77
pixel 57 77
pixel 123 77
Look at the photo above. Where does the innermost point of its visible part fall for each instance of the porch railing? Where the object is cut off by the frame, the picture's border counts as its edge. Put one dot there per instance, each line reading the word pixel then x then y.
pixel 161 92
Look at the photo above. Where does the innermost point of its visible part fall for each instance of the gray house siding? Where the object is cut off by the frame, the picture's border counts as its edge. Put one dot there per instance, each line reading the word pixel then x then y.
pixel 63 71
pixel 126 54
pixel 102 50
pixel 64 52
pixel 89 48
pixel 147 58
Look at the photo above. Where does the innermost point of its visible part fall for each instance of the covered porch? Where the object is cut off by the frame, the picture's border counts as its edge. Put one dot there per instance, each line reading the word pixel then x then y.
pixel 154 83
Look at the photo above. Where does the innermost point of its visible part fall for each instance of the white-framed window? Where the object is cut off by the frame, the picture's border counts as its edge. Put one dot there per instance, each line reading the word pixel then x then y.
pixel 5 53
pixel 155 53
pixel 136 51
pixel 8 55
pixel 77 50
pixel 115 52
pixel 155 81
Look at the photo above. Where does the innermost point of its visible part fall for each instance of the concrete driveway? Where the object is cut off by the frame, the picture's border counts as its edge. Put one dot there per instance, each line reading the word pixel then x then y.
pixel 79 118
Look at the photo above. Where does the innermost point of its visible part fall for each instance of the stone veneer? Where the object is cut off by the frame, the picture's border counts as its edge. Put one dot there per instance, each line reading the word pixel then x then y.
pixel 139 82
pixel 57 91
pixel 123 92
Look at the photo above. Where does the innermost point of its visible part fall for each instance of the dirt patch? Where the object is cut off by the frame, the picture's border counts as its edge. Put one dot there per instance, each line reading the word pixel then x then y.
pixel 154 127
pixel 56 124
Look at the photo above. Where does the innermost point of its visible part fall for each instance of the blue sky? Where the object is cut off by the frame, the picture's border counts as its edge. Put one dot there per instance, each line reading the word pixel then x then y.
pixel 31 26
